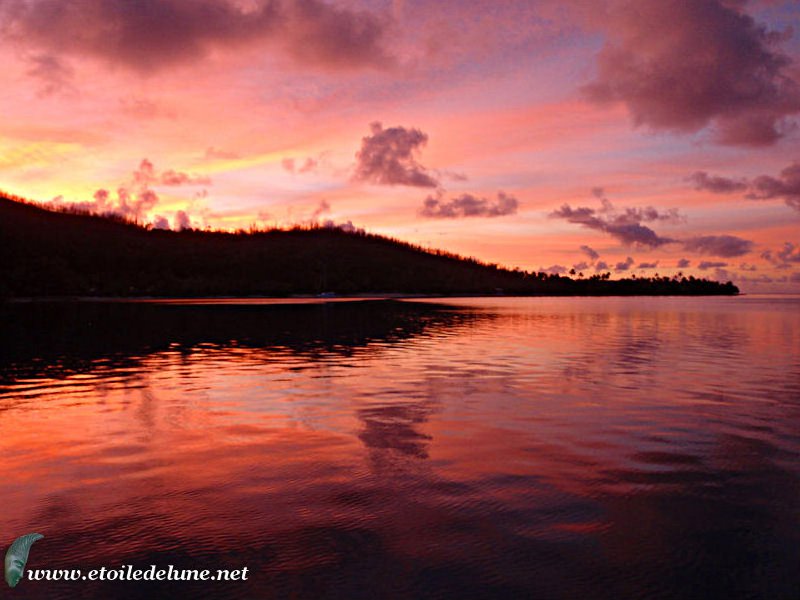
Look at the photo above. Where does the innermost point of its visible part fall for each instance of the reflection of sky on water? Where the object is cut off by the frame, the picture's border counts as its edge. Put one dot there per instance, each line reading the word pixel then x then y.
pixel 553 447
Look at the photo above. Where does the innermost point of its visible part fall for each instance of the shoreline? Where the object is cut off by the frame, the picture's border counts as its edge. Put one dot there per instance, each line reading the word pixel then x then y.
pixel 322 299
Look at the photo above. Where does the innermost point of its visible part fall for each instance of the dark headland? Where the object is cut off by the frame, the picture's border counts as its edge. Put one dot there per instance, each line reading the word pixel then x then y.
pixel 46 253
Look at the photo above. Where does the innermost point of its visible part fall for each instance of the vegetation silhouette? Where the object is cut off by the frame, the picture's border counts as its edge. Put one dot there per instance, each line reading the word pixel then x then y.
pixel 47 252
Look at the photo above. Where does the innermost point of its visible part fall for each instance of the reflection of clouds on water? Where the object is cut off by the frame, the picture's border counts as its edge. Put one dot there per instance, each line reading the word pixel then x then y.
pixel 394 428
pixel 492 449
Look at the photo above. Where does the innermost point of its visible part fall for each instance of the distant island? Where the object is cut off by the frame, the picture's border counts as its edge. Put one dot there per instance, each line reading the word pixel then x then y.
pixel 58 253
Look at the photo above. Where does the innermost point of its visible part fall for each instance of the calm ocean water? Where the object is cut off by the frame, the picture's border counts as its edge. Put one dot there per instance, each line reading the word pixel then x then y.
pixel 478 448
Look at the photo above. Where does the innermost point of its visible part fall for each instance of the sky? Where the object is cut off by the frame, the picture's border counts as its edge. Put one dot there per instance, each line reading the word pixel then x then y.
pixel 630 136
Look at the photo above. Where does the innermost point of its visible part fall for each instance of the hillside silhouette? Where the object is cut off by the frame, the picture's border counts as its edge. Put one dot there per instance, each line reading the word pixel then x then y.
pixel 64 252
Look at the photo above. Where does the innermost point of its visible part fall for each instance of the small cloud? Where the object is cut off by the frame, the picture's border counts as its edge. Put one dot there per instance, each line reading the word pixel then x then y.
pixel 626 225
pixel 160 222
pixel 387 157
pixel 726 246
pixel 297 166
pixel 683 263
pixel 721 274
pixel 554 269
pixel 134 199
pixel 322 208
pixel 717 185
pixel 467 205
pixel 624 266
pixel 758 279
pixel 590 252
pixel 215 153
pixel 346 226
pixel 705 265
pixel 601 266
pixel 786 186
pixel 648 265
pixel 146 175
pixel 182 221
pixel 452 176
pixel 784 257
pixel 171 177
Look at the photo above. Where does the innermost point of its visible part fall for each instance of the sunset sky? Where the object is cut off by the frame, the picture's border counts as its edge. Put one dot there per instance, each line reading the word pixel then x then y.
pixel 636 136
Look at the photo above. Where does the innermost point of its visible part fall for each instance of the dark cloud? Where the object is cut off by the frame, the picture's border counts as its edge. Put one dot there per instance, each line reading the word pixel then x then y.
pixel 467 205
pixel 785 187
pixel 648 265
pixel 705 265
pixel 54 74
pixel 601 266
pixel 790 253
pixel 718 185
pixel 723 274
pixel 347 226
pixel 581 266
pixel 624 266
pixel 682 66
pixel 626 226
pixel 683 263
pixel 387 157
pixel 321 33
pixel 757 279
pixel 554 269
pixel 590 252
pixel 150 35
pixel 726 246
pixel 784 257
pixel 791 278
pixel 452 176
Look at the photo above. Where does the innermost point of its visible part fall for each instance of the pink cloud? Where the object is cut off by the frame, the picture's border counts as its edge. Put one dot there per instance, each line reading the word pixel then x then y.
pixel 387 157
pixel 150 36
pixel 786 186
pixel 682 66
pixel 467 205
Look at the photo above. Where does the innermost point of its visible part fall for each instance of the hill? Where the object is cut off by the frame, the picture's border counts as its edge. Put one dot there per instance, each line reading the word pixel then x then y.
pixel 57 253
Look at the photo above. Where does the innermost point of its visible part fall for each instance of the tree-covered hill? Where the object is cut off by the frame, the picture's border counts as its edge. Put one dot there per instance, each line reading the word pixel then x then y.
pixel 57 253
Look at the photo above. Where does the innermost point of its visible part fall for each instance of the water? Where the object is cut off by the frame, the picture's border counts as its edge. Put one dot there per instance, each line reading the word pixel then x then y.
pixel 478 448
